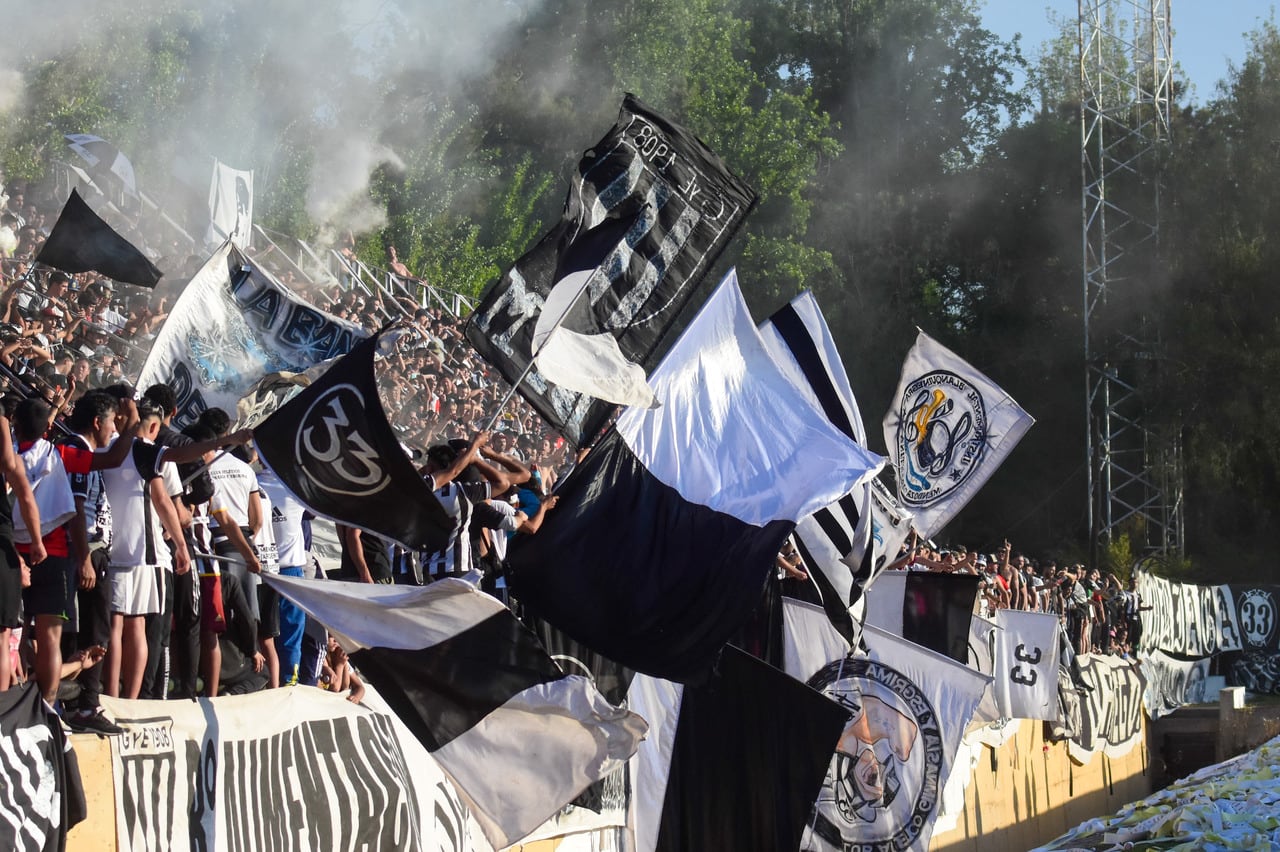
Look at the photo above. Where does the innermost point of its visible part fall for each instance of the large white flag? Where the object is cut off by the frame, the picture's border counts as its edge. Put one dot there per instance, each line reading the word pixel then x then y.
pixel 910 708
pixel 948 430
pixel 232 325
pixel 1026 665
pixel 230 205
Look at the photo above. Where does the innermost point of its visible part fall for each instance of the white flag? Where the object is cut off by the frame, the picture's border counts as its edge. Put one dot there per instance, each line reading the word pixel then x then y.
pixel 910 708
pixel 230 206
pixel 949 428
pixel 232 325
pixel 1026 665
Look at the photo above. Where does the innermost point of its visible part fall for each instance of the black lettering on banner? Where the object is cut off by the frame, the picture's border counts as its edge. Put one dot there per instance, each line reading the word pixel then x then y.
pixel 1031 658
pixel 1229 638
pixel 1111 714
pixel 264 304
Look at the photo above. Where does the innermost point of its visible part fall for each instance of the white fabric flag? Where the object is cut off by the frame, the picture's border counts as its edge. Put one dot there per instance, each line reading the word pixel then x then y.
pixel 230 206
pixel 232 325
pixel 947 431
pixel 809 641
pixel 982 658
pixel 1026 665
pixel 884 602
pixel 755 426
pixel 910 709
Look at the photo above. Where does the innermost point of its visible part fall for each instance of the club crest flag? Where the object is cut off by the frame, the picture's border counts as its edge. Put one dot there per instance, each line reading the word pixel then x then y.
pixel 232 325
pixel 949 428
pixel 909 708
pixel 647 214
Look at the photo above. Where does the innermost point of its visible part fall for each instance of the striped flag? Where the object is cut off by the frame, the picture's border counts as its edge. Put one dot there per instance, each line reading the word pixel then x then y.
pixel 518 737
pixel 836 542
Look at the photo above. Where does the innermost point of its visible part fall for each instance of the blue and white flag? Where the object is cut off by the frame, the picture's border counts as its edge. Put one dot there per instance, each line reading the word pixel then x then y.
pixel 947 431
pixel 233 324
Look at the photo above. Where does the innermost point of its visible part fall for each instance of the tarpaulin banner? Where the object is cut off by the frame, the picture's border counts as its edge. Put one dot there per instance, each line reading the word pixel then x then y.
pixel 1111 709
pixel 1197 621
pixel 294 768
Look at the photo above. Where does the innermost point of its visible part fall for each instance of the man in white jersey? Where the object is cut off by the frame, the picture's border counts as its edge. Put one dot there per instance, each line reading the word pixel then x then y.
pixel 142 513
pixel 291 551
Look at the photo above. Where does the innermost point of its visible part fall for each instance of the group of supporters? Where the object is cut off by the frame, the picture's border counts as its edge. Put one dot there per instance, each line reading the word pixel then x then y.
pixel 1100 614
pixel 145 577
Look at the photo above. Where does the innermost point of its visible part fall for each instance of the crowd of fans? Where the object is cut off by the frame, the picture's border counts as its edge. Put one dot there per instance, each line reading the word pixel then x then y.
pixel 1099 613
pixel 145 578
pixel 68 347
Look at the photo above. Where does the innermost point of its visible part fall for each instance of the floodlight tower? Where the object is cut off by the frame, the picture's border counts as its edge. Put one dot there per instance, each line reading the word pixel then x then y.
pixel 1134 464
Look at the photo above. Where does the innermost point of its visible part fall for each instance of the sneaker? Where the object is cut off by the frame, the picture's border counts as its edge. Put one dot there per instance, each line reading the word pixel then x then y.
pixel 92 722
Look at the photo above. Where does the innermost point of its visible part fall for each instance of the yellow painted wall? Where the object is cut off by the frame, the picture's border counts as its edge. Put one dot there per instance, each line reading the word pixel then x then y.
pixel 1029 791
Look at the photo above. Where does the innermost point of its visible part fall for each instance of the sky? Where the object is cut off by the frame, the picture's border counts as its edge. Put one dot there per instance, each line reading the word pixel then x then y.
pixel 1207 34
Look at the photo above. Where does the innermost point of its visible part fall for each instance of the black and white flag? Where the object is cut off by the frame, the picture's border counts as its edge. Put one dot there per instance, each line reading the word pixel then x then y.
pixel 230 206
pixel 333 447
pixel 665 534
pixel 105 162
pixel 518 736
pixel 734 764
pixel 837 541
pixel 680 206
pixel 40 792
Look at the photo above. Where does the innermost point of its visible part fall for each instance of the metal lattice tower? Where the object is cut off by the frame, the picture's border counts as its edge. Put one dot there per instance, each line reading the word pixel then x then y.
pixel 1126 64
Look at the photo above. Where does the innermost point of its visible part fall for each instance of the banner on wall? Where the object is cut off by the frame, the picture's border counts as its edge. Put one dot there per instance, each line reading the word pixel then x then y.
pixel 265 771
pixel 1110 710
pixel 1196 621
pixel 1171 683
pixel 1026 665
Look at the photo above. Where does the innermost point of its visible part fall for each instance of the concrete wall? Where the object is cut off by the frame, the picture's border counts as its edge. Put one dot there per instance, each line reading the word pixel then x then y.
pixel 1029 791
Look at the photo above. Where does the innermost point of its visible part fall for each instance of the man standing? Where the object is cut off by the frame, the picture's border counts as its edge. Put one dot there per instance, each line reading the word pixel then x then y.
pixel 143 513
pixel 10 563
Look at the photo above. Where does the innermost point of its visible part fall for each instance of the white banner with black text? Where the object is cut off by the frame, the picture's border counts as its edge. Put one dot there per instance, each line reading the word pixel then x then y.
pixel 294 768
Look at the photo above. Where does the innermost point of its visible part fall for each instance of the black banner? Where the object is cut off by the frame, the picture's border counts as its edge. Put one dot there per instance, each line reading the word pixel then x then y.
pixel 331 445
pixel 690 207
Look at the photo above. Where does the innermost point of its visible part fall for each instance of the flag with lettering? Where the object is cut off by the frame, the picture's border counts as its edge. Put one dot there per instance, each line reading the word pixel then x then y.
pixel 679 205
pixel 233 324
pixel 947 431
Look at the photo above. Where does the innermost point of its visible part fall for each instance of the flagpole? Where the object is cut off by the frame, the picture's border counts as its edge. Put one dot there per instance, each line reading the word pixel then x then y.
pixel 533 357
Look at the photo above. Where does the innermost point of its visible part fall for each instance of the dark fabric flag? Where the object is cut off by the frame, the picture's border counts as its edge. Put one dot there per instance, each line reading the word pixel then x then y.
pixel 80 241
pixel 747 760
pixel 937 610
pixel 688 206
pixel 518 736
pixel 664 535
pixel 333 447
pixel 931 609
pixel 41 795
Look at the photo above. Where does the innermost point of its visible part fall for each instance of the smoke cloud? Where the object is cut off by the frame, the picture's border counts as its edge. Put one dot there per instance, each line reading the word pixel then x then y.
pixel 185 82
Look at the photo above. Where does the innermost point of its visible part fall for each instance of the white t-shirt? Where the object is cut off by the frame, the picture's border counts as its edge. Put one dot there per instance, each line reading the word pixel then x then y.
pixel 286 521
pixel 137 535
pixel 233 482
pixel 264 540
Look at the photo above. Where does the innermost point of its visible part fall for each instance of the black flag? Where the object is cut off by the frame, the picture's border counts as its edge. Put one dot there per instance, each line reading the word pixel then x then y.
pixel 332 446
pixel 81 241
pixel 689 207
